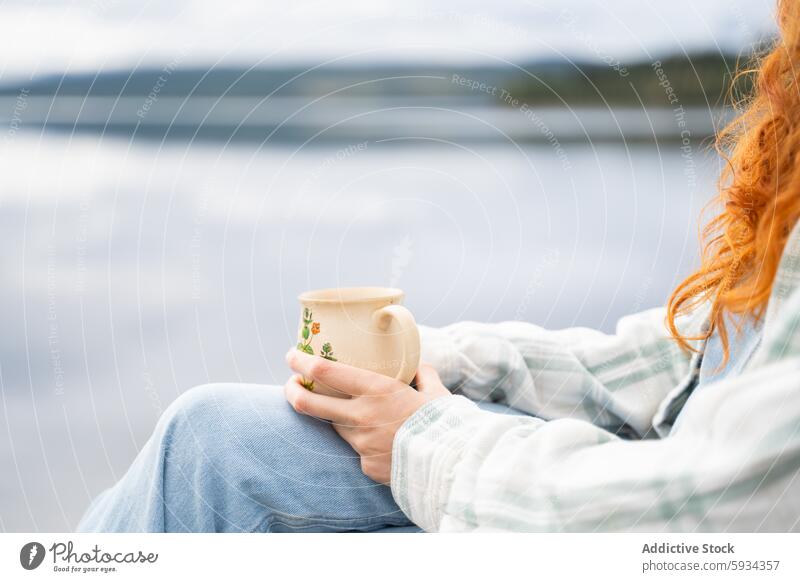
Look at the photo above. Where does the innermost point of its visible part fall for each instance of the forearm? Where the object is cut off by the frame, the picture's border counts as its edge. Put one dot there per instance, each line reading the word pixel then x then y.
pixel 456 467
pixel 610 380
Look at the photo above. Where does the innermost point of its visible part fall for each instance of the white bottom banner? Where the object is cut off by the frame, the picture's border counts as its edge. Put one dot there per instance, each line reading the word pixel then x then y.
pixel 379 557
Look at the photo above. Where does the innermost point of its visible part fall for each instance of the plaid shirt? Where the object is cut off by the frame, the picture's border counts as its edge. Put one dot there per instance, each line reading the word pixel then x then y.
pixel 606 457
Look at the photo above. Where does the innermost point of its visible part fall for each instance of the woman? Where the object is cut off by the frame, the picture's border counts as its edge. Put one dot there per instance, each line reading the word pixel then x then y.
pixel 688 418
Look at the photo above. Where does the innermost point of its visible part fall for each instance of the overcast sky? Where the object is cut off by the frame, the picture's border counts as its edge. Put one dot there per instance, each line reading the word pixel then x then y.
pixel 66 36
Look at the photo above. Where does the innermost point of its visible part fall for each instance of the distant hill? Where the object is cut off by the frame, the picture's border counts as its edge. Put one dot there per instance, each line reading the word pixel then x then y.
pixel 701 79
pixel 694 80
pixel 363 81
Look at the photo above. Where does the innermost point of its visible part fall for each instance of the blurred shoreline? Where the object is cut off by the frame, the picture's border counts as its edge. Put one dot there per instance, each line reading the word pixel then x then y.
pixel 539 103
pixel 295 120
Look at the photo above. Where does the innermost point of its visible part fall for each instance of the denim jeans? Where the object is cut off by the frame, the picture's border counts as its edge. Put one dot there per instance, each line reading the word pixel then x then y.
pixel 237 458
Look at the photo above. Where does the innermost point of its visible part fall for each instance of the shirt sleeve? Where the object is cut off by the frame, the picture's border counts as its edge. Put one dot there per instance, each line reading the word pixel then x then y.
pixel 733 465
pixel 615 381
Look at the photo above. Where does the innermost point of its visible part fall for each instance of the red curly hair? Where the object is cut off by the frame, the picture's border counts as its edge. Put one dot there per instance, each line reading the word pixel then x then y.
pixel 759 192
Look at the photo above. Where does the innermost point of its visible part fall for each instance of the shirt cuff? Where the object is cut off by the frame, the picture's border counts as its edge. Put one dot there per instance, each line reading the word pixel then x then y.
pixel 426 450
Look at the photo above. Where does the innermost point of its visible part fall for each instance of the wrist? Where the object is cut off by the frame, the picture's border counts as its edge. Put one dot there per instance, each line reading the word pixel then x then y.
pixel 425 451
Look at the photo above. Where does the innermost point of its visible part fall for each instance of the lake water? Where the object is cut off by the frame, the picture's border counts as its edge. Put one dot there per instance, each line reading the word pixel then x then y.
pixel 133 271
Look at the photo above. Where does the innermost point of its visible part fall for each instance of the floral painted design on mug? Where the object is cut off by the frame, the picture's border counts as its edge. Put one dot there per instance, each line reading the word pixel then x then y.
pixel 327 352
pixel 310 329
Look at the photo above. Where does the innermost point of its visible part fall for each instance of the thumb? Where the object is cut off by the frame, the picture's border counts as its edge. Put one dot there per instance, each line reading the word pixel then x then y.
pixel 428 380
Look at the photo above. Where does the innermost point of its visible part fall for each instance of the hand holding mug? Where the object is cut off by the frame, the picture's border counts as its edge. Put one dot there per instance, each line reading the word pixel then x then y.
pixel 357 352
pixel 377 406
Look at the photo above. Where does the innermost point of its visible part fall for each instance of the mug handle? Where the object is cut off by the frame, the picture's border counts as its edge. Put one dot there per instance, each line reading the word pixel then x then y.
pixel 382 318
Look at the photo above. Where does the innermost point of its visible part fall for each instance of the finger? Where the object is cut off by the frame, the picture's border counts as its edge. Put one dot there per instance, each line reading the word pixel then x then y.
pixel 346 379
pixel 359 440
pixel 427 378
pixel 337 410
pixel 347 432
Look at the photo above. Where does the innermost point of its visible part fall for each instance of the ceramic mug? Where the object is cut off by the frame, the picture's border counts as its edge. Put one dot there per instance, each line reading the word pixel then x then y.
pixel 364 327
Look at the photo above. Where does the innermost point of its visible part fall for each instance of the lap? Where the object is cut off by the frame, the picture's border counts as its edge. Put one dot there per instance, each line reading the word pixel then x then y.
pixel 294 469
pixel 252 426
pixel 296 466
pixel 236 457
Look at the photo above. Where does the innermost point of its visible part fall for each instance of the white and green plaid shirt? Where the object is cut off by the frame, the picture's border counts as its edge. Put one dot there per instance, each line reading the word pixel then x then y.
pixel 733 464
